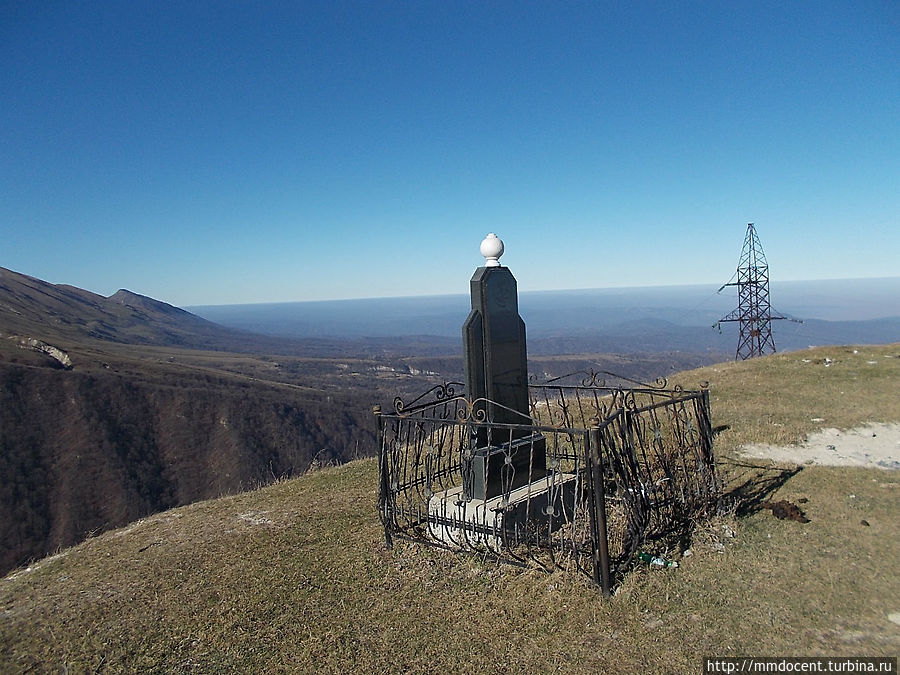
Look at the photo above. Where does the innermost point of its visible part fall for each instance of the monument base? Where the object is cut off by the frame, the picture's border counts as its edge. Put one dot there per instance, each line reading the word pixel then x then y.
pixel 495 469
pixel 539 507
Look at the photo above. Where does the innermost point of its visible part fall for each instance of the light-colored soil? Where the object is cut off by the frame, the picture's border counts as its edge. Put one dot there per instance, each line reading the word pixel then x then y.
pixel 873 446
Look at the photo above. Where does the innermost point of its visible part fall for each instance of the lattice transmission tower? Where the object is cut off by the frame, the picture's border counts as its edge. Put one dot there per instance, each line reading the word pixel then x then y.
pixel 754 312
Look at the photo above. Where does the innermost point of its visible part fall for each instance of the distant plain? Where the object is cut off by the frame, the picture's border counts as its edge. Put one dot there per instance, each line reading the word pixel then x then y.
pixel 648 319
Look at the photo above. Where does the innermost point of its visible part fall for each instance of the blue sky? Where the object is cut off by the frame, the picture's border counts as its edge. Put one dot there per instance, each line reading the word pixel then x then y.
pixel 228 152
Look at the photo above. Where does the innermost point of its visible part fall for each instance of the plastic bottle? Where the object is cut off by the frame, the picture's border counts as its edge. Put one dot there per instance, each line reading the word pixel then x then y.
pixel 656 560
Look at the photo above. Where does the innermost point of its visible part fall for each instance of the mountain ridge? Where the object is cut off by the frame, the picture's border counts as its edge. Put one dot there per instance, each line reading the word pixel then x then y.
pixel 59 311
pixel 31 307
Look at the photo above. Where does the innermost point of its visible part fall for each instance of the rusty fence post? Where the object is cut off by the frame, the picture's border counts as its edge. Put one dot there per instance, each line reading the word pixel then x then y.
pixel 600 546
pixel 384 485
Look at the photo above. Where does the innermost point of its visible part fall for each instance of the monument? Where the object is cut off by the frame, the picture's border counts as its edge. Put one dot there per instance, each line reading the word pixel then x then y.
pixel 496 369
pixel 507 491
pixel 483 471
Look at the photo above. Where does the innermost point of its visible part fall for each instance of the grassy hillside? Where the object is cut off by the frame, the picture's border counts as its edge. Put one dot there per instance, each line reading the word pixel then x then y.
pixel 295 576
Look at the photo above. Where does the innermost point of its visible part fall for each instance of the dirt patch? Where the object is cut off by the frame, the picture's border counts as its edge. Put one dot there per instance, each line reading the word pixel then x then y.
pixel 785 510
pixel 874 446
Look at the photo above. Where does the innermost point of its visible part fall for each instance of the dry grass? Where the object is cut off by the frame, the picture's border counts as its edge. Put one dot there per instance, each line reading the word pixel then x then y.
pixel 784 397
pixel 295 577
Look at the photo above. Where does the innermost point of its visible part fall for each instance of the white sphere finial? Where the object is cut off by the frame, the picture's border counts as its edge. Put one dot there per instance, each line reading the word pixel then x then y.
pixel 492 249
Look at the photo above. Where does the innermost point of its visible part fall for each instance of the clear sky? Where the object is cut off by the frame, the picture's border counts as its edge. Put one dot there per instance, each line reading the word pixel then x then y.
pixel 229 152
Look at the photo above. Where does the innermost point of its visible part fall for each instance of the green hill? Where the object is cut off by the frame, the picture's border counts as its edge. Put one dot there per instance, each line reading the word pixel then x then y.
pixel 295 576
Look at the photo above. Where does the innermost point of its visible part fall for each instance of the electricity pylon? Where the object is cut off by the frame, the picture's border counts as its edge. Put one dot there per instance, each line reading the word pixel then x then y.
pixel 754 312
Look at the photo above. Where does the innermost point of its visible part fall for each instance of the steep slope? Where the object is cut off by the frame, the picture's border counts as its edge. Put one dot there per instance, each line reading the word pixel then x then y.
pixel 82 452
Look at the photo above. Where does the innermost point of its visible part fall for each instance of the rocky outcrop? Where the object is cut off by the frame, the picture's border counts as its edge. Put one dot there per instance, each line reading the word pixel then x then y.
pixel 42 347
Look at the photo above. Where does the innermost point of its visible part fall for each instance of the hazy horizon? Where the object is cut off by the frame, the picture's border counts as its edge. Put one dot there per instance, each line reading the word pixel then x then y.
pixel 571 313
pixel 875 281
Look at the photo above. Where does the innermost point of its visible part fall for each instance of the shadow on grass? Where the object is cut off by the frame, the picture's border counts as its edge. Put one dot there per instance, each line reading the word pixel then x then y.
pixel 754 487
pixel 744 495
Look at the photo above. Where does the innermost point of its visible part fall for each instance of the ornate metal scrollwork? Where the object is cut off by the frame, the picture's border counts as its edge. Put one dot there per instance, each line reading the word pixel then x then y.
pixel 591 379
pixel 439 393
pixel 470 411
pixel 476 410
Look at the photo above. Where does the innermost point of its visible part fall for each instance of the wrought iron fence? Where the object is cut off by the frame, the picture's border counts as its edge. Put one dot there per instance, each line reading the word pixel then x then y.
pixel 593 474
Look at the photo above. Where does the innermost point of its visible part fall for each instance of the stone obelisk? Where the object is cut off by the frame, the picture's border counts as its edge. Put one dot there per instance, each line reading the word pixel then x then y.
pixel 496 368
pixel 496 362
